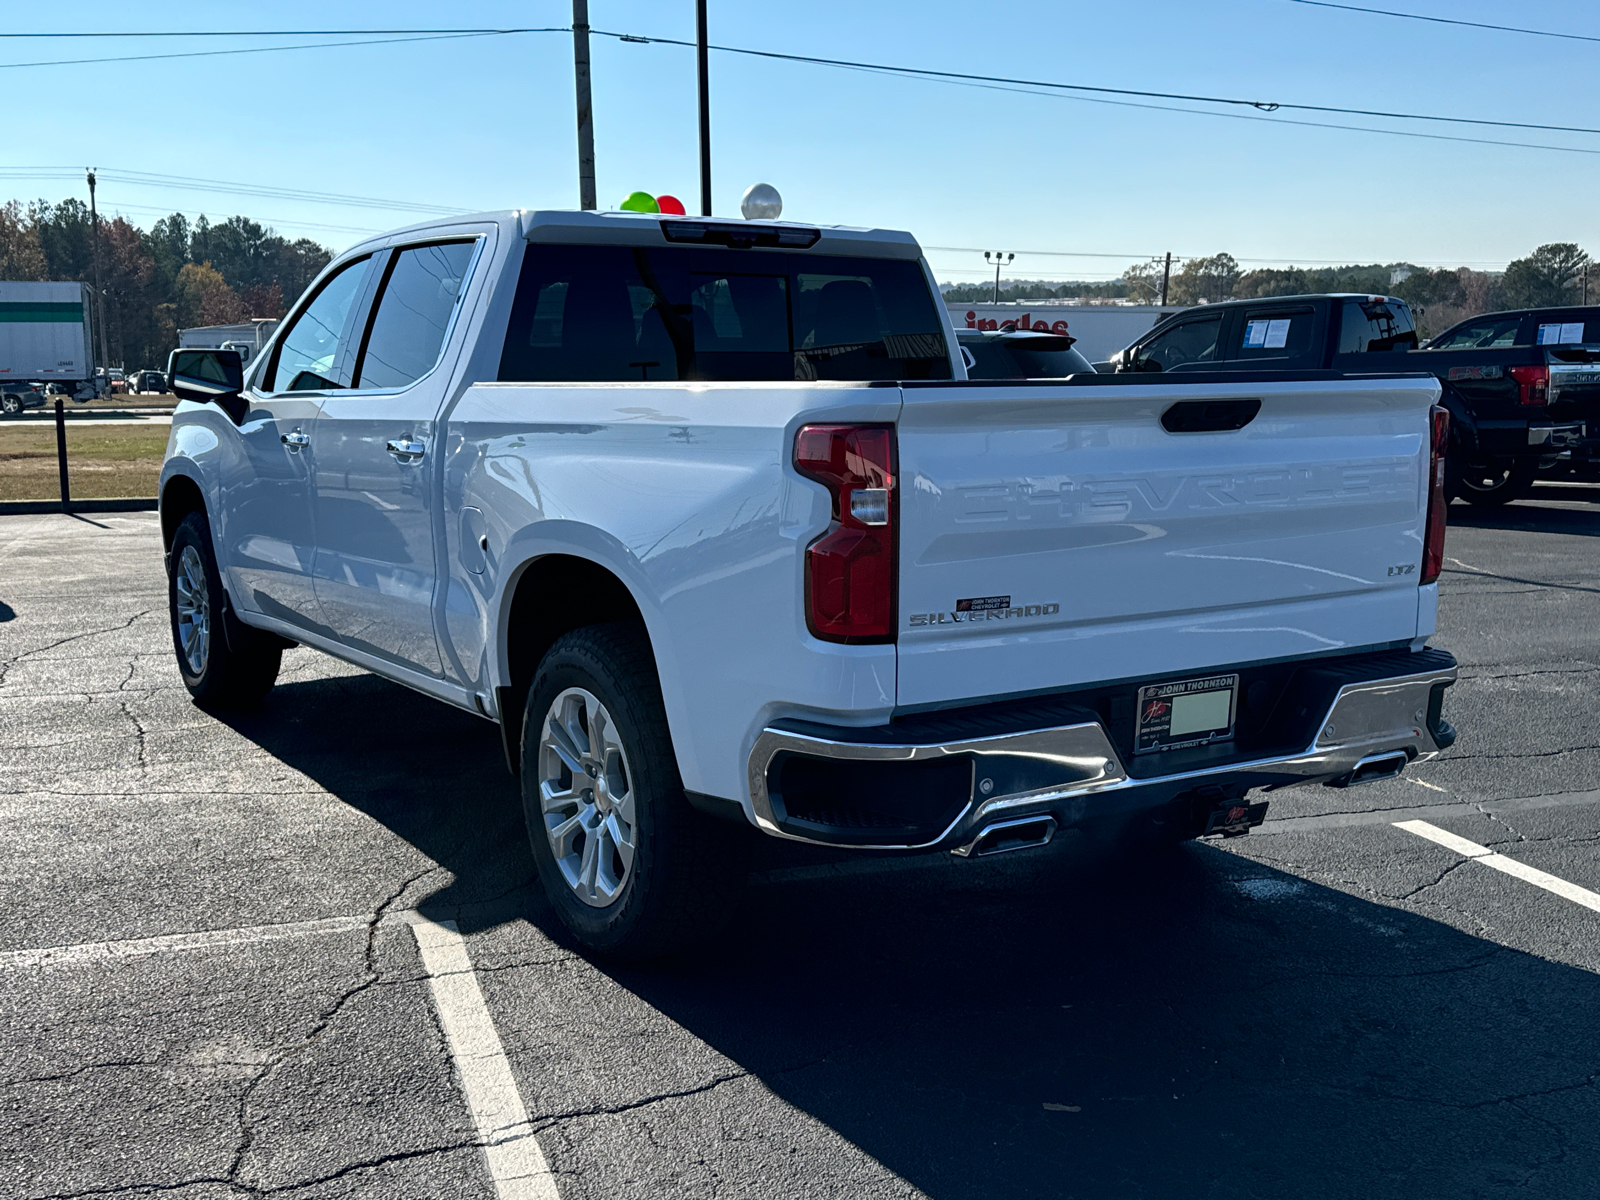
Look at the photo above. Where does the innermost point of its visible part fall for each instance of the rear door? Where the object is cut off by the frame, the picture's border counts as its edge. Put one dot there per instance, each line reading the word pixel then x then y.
pixel 1278 336
pixel 376 485
pixel 1054 534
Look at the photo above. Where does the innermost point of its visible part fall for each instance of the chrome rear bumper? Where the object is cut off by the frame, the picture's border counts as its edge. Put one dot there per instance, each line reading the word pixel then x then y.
pixel 1365 728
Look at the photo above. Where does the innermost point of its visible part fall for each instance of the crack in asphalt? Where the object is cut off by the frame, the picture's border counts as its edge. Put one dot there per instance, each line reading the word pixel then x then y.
pixel 1521 754
pixel 543 1121
pixel 1436 881
pixel 1532 583
pixel 7 664
pixel 285 1189
pixel 115 1064
pixel 370 976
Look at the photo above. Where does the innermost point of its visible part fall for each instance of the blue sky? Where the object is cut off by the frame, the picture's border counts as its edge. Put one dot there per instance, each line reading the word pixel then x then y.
pixel 488 122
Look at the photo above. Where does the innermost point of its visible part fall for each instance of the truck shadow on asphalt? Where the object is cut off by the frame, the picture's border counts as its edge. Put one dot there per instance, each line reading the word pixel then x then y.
pixel 1532 516
pixel 1065 1022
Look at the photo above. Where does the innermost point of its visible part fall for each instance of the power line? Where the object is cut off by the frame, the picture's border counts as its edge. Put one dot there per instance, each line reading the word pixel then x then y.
pixel 385 41
pixel 402 35
pixel 1385 12
pixel 225 187
pixel 1265 106
pixel 207 33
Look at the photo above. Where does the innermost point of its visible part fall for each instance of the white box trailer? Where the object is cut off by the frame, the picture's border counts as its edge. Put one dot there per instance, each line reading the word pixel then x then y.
pixel 247 337
pixel 44 333
pixel 1101 329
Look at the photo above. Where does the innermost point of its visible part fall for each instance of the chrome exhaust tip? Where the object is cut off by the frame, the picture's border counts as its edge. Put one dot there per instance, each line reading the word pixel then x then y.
pixel 1374 767
pixel 1023 833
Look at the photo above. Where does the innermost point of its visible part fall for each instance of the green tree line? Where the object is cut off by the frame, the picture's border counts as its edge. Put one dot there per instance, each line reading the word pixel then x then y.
pixel 174 275
pixel 1554 274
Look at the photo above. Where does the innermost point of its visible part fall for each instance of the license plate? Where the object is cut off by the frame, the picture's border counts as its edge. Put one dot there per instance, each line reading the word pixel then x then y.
pixel 1190 712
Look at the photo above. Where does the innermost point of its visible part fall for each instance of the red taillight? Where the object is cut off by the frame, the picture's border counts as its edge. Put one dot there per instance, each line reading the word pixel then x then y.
pixel 850 570
pixel 1433 537
pixel 1533 384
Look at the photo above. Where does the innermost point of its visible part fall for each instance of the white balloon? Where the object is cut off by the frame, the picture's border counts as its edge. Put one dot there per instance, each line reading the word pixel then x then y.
pixel 761 203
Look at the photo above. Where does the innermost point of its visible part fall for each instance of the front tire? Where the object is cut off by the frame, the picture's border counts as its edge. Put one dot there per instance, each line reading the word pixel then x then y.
pixel 630 868
pixel 223 665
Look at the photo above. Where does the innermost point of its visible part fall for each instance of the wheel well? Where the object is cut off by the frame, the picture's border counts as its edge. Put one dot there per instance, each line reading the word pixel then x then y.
pixel 179 498
pixel 542 609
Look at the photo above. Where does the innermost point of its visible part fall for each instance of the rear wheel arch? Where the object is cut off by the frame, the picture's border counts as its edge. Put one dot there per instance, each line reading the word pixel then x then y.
pixel 553 595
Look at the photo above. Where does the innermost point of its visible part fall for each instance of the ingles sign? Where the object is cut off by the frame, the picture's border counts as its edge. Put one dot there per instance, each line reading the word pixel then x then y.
pixel 1025 321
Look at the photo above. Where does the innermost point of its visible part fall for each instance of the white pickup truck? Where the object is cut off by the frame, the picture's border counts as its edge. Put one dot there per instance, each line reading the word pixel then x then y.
pixel 707 516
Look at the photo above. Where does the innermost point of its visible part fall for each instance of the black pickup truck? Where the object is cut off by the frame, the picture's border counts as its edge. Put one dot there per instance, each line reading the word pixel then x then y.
pixel 1523 388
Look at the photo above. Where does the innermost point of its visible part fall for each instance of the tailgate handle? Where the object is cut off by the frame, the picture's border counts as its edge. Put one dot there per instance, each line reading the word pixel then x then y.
pixel 1209 416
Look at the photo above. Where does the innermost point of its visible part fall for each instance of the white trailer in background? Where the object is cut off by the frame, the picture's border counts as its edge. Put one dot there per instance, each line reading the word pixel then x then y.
pixel 247 337
pixel 1101 329
pixel 44 335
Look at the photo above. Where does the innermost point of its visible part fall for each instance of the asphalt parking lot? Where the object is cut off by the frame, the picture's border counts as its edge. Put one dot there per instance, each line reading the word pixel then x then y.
pixel 300 953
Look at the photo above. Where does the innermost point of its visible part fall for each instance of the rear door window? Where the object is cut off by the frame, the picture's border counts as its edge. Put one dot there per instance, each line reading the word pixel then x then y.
pixel 1190 341
pixel 615 313
pixel 1578 327
pixel 1372 325
pixel 1276 333
pixel 1481 334
pixel 416 300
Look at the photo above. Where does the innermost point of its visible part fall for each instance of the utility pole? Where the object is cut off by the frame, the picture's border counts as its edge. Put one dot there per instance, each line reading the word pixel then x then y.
pixel 99 296
pixel 1166 274
pixel 580 73
pixel 999 257
pixel 702 55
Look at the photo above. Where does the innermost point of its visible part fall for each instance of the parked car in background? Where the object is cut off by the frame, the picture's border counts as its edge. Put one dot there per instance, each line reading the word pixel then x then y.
pixel 1570 340
pixel 1503 424
pixel 16 397
pixel 1013 354
pixel 703 513
pixel 147 383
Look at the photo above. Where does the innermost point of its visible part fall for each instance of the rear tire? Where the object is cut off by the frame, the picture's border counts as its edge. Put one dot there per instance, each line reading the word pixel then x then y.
pixel 11 404
pixel 1491 483
pixel 224 663
pixel 631 869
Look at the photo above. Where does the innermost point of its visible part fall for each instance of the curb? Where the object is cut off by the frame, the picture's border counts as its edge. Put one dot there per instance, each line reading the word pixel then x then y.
pixel 10 508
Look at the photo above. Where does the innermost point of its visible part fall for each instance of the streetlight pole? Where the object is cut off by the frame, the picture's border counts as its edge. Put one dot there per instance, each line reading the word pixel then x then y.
pixel 1000 257
pixel 702 55
pixel 1166 274
pixel 580 73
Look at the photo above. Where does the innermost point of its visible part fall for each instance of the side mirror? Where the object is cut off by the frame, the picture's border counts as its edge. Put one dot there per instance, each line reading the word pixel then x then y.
pixel 208 377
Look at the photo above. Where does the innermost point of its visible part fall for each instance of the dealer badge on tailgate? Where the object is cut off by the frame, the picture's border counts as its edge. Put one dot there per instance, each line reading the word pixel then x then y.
pixel 1191 712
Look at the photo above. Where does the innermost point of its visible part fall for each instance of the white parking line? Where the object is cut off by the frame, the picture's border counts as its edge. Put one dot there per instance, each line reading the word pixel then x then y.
pixel 516 1163
pixel 205 939
pixel 1550 883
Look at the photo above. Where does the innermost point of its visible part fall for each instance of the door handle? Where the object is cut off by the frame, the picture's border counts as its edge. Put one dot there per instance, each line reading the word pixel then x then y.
pixel 296 441
pixel 405 450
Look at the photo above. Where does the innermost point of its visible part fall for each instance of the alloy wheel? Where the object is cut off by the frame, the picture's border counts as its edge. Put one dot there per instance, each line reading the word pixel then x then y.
pixel 586 796
pixel 193 602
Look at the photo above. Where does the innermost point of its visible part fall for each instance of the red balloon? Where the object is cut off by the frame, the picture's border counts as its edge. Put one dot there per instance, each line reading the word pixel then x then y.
pixel 672 205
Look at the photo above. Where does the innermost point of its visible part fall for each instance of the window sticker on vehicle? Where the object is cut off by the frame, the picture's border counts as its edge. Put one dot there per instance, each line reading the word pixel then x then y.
pixel 1266 334
pixel 1560 333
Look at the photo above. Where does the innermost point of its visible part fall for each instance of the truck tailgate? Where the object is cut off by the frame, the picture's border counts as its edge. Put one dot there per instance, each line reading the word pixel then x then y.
pixel 1057 535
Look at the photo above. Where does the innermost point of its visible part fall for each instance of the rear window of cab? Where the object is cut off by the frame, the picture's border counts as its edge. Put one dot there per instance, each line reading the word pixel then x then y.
pixel 621 313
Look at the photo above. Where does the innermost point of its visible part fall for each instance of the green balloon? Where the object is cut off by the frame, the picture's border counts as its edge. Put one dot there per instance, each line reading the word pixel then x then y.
pixel 640 202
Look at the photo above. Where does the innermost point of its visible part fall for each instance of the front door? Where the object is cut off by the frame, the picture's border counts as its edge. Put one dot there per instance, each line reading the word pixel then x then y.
pixel 268 531
pixel 376 479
